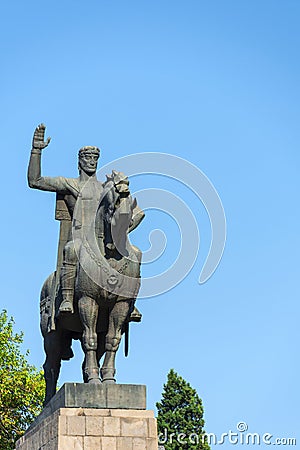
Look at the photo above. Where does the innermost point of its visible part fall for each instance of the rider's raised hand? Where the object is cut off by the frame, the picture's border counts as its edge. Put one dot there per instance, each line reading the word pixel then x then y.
pixel 39 136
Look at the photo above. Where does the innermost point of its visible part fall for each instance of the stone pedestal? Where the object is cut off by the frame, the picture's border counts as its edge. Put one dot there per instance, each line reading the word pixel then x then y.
pixel 64 425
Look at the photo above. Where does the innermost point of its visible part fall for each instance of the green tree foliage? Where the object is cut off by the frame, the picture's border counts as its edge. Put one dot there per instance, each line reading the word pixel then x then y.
pixel 180 416
pixel 22 386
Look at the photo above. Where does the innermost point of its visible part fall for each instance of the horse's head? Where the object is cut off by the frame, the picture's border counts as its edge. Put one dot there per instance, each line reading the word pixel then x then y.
pixel 119 213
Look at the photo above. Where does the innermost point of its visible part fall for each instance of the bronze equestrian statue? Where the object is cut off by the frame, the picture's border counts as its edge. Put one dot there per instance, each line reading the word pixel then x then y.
pixel 91 295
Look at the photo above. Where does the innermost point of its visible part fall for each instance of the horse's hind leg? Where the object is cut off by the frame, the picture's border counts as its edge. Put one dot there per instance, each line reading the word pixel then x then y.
pixel 117 317
pixel 88 311
pixel 52 364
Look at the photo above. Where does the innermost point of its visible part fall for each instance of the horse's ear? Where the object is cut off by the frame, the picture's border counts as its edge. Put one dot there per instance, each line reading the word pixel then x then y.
pixel 134 203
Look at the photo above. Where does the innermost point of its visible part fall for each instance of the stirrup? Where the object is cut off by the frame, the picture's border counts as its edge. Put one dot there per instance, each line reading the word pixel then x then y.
pixel 66 306
pixel 135 316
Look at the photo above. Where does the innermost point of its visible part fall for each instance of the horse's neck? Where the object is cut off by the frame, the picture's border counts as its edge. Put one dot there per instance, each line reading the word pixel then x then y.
pixel 104 233
pixel 115 255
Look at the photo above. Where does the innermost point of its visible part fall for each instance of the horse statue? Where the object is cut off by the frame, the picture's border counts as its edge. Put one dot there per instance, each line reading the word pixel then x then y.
pixel 106 287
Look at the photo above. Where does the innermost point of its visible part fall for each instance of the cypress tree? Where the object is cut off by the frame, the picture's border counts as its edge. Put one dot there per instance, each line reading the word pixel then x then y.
pixel 180 416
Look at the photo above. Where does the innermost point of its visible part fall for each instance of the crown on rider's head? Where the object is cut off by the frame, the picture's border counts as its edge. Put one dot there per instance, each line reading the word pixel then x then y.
pixel 89 149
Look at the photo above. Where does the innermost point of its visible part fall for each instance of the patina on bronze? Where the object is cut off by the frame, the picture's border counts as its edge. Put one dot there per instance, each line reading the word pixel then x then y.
pixel 92 293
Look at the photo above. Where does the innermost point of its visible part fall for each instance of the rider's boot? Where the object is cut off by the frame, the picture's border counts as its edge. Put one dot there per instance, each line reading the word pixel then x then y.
pixel 67 278
pixel 135 316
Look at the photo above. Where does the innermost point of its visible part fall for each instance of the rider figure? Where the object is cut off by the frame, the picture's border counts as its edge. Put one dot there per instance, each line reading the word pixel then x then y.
pixel 70 188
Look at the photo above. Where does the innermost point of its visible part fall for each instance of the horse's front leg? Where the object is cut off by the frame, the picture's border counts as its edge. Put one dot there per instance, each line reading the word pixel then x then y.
pixel 117 317
pixel 88 311
pixel 100 352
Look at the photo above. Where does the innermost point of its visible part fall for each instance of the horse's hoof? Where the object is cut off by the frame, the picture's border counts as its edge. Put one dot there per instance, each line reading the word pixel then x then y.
pixel 94 381
pixel 107 375
pixel 109 381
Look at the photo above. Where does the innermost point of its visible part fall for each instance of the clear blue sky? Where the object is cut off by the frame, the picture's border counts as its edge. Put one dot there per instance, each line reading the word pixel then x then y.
pixel 215 82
